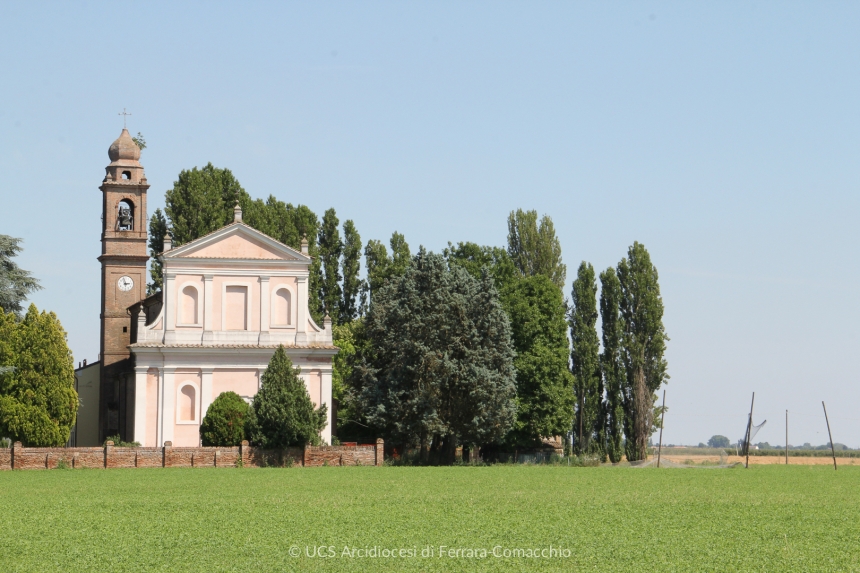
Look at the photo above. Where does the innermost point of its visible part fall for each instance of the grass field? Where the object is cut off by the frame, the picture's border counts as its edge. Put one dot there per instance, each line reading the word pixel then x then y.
pixel 767 518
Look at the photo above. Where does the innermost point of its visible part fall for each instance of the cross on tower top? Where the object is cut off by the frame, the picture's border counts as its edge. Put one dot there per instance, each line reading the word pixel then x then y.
pixel 124 115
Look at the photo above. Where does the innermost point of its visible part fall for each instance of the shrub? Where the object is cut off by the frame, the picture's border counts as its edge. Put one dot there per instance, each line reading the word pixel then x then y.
pixel 5 443
pixel 224 423
pixel 282 414
pixel 119 443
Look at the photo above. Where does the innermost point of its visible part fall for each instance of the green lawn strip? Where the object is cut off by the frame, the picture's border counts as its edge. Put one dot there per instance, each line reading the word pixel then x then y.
pixel 767 518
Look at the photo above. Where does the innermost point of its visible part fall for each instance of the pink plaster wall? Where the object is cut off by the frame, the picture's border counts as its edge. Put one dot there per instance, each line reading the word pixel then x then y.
pixel 242 382
pixel 313 381
pixel 237 247
pixel 186 435
pixel 151 408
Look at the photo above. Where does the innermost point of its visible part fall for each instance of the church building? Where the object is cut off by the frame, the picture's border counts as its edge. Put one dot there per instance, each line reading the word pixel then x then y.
pixel 229 299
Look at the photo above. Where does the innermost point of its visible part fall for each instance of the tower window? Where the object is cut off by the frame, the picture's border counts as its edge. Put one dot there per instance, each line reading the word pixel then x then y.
pixel 125 216
pixel 125 329
pixel 126 175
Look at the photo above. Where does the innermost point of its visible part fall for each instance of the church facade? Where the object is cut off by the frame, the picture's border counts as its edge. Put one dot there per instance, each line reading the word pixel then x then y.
pixel 228 300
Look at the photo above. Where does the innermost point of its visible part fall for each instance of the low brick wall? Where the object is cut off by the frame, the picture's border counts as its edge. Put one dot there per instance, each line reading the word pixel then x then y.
pixel 20 458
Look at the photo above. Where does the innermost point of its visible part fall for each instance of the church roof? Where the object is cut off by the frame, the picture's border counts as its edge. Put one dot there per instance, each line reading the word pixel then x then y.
pixel 237 241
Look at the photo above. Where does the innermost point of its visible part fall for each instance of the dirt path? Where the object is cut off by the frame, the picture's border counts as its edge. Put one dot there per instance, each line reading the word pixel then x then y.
pixel 798 461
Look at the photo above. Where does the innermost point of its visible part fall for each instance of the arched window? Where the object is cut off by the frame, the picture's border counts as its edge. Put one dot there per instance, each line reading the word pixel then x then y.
pixel 188 305
pixel 125 216
pixel 186 407
pixel 282 307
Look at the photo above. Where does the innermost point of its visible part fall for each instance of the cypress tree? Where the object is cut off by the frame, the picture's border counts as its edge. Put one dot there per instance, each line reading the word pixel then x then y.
pixel 38 402
pixel 351 267
pixel 611 364
pixel 644 342
pixel 330 248
pixel 282 413
pixel 589 425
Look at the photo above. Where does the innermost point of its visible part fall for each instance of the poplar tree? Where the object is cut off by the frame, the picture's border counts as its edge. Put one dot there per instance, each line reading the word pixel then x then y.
pixel 38 402
pixel 589 425
pixel 15 282
pixel 282 413
pixel 534 248
pixel 644 342
pixel 381 266
pixel 157 230
pixel 438 370
pixel 611 364
pixel 330 249
pixel 351 266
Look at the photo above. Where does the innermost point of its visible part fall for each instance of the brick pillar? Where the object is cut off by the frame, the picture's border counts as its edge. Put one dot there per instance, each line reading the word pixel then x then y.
pixel 167 454
pixel 244 453
pixel 17 452
pixel 380 451
pixel 108 452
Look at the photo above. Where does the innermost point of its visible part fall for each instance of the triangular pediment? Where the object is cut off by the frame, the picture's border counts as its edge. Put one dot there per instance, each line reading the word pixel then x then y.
pixel 237 241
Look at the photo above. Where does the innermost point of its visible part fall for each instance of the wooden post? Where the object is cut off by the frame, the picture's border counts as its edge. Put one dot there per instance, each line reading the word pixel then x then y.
pixel 662 417
pixel 749 430
pixel 786 437
pixel 829 435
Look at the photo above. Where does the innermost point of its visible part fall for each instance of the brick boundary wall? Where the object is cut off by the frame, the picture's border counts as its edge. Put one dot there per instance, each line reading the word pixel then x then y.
pixel 20 458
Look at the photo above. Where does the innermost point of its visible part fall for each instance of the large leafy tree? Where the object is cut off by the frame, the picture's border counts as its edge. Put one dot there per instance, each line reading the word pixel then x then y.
pixel 439 367
pixel 545 404
pixel 589 426
pixel 538 329
pixel 330 249
pixel 534 247
pixel 644 343
pixel 282 413
pixel 202 201
pixel 38 402
pixel 611 363
pixel 15 282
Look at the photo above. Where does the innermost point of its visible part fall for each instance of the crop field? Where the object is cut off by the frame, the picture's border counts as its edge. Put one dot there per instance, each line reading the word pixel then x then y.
pixel 499 518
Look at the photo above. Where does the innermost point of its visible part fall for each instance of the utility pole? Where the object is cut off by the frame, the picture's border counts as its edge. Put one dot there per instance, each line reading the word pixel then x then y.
pixel 829 435
pixel 662 418
pixel 749 429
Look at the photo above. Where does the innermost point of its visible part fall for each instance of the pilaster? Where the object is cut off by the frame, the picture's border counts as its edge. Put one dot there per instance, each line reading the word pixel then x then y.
pixel 208 303
pixel 140 373
pixel 302 308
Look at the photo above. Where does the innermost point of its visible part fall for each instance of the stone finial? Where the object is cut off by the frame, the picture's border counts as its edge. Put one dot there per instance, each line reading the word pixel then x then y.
pixel 168 242
pixel 327 323
pixel 237 213
pixel 304 244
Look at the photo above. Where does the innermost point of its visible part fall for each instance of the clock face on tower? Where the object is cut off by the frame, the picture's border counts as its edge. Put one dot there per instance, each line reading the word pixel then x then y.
pixel 125 283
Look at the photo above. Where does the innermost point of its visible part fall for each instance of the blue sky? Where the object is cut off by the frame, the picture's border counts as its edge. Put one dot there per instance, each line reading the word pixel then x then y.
pixel 723 136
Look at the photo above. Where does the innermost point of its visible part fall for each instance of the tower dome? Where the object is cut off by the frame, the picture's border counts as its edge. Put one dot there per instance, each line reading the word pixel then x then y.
pixel 124 148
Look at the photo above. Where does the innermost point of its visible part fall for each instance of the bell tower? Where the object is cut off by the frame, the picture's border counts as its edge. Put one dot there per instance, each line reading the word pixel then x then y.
pixel 123 258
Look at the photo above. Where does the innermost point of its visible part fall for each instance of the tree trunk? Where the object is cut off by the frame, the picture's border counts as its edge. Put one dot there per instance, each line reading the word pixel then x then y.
pixel 642 411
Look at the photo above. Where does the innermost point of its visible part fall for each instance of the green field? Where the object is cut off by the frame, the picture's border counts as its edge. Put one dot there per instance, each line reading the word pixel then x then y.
pixel 767 518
